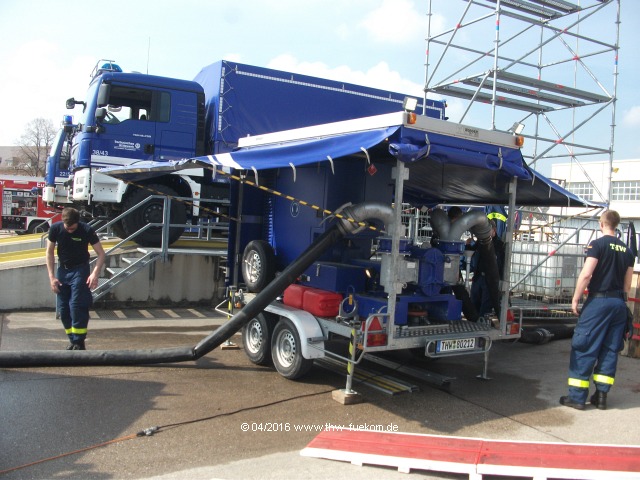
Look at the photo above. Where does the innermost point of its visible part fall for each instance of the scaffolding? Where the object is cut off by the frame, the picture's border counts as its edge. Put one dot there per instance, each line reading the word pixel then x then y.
pixel 535 63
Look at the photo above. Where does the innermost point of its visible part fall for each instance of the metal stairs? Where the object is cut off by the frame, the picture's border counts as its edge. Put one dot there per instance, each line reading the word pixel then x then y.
pixel 121 265
pixel 114 275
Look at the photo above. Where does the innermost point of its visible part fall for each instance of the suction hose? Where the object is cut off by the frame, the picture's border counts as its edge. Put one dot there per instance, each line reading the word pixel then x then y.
pixel 78 358
pixel 477 223
pixel 542 335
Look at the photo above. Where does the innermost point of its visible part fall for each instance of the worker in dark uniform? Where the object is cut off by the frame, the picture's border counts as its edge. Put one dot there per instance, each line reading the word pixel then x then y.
pixel 73 280
pixel 480 293
pixel 598 336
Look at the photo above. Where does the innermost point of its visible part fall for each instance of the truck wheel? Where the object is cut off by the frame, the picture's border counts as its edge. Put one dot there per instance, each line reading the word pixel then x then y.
pixel 286 352
pixel 256 338
pixel 152 212
pixel 118 230
pixel 258 265
pixel 38 227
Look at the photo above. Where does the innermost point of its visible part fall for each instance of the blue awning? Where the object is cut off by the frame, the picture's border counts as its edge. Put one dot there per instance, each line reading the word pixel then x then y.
pixel 443 169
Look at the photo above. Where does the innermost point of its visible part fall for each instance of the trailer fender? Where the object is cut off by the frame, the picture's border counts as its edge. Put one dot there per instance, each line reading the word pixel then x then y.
pixel 307 326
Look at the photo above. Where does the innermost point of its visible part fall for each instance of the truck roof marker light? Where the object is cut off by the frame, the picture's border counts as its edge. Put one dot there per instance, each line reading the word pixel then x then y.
pixel 411 118
pixel 519 140
pixel 409 104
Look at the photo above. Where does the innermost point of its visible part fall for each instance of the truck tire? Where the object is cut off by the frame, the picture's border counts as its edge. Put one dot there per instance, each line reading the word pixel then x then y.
pixel 258 265
pixel 152 212
pixel 118 230
pixel 256 338
pixel 286 352
pixel 38 227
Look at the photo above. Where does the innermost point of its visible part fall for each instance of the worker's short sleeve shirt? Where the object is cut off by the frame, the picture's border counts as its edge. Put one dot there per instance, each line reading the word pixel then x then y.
pixel 614 258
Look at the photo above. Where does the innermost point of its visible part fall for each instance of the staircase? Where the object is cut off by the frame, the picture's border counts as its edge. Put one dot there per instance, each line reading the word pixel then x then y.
pixel 128 266
pixel 123 264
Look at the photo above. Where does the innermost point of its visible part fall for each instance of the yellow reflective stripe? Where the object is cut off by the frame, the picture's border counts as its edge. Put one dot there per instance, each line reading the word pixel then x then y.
pixel 603 379
pixel 497 215
pixel 576 382
pixel 79 331
pixel 68 330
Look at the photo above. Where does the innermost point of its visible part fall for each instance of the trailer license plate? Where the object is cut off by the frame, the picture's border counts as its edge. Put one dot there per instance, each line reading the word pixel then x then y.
pixel 456 345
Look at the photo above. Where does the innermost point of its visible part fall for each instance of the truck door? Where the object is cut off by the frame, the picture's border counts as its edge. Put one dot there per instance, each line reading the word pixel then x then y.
pixel 176 136
pixel 129 129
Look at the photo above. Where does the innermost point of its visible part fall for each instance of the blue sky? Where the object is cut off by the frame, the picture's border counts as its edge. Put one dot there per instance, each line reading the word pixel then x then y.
pixel 49 47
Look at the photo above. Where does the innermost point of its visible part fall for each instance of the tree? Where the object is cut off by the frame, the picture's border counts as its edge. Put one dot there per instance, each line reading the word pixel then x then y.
pixel 35 145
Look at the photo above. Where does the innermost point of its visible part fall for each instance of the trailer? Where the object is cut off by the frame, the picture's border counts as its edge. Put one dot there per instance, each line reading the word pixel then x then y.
pixel 131 117
pixel 23 210
pixel 368 285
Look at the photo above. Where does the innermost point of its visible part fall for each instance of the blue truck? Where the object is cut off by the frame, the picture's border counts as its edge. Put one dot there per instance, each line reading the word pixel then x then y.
pixel 128 118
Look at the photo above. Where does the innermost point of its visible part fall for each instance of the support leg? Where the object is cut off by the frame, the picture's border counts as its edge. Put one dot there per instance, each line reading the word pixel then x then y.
pixel 348 396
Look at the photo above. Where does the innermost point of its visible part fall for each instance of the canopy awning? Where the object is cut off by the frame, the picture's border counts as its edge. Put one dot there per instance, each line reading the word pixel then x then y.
pixel 443 168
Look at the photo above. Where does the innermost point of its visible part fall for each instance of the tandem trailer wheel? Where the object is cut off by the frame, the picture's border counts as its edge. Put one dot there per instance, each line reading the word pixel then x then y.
pixel 286 351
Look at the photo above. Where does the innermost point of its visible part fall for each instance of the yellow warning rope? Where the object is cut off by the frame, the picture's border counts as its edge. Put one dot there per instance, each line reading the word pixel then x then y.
pixel 260 187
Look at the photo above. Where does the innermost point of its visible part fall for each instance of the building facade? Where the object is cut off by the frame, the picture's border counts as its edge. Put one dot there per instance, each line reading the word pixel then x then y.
pixel 590 180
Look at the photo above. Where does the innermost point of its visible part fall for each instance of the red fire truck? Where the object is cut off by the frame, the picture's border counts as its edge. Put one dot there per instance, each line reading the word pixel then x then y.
pixel 22 207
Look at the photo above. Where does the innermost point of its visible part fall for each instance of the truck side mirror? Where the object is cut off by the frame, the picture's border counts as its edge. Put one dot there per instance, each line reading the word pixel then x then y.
pixel 101 113
pixel 103 95
pixel 70 103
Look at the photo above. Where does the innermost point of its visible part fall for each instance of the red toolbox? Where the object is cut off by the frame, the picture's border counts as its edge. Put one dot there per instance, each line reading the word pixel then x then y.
pixel 293 295
pixel 321 302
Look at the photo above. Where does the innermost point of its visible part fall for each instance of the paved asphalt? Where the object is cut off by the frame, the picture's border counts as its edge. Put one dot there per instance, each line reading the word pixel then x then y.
pixel 81 422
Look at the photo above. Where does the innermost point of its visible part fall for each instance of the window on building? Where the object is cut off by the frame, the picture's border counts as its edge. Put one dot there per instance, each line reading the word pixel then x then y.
pixel 628 190
pixel 582 189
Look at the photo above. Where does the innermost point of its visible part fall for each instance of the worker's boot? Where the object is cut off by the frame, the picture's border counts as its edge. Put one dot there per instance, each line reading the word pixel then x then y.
pixel 567 402
pixel 599 400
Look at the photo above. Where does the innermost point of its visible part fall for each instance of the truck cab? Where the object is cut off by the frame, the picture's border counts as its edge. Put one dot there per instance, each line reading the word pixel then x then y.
pixel 128 118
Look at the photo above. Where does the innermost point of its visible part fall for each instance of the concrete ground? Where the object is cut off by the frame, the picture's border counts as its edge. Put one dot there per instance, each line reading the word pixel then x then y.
pixel 81 422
